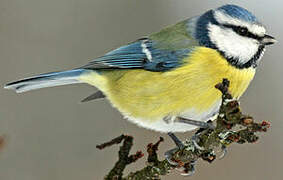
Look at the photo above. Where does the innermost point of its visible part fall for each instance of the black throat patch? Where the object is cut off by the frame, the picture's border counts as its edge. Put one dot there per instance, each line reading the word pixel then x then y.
pixel 253 62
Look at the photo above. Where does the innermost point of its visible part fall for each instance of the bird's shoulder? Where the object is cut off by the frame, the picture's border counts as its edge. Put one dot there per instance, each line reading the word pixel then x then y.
pixel 177 36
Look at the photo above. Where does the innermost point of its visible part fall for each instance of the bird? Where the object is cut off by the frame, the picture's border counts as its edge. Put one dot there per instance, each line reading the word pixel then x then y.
pixel 170 75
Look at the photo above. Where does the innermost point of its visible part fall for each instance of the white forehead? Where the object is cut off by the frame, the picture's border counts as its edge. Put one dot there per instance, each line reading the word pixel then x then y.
pixel 223 18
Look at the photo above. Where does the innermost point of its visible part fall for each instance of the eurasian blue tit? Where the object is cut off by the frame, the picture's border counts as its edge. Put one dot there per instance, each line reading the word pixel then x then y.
pixel 172 73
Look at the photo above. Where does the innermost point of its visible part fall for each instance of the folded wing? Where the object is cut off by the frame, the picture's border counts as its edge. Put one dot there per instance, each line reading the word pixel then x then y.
pixel 152 55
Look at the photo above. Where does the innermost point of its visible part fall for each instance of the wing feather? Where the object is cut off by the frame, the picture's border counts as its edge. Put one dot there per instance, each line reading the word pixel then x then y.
pixel 162 51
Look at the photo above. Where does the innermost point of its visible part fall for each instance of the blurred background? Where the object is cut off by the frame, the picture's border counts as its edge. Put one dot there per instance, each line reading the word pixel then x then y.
pixel 51 136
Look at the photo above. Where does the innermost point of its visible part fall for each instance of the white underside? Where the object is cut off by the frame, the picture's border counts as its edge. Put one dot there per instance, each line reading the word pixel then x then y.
pixel 164 126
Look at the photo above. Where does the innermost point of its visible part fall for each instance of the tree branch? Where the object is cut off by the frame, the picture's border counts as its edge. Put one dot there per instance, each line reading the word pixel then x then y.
pixel 124 157
pixel 231 127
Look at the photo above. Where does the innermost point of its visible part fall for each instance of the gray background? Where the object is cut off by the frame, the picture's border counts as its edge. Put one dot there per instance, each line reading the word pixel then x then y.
pixel 50 135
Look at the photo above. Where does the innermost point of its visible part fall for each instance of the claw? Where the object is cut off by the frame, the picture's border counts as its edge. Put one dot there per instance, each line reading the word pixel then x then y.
pixel 224 152
pixel 169 154
pixel 189 169
pixel 195 139
pixel 186 170
pixel 190 173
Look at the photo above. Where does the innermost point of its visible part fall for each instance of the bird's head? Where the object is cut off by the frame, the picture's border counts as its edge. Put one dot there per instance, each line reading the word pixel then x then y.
pixel 235 33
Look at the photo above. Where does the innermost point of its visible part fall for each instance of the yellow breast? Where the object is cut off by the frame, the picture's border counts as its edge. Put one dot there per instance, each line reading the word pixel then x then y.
pixel 153 95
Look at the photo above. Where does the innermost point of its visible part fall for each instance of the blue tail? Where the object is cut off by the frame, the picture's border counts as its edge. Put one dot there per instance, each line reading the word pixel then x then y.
pixel 46 80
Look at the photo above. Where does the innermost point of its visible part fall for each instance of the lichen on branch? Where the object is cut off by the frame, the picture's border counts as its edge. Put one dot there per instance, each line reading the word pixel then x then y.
pixel 232 126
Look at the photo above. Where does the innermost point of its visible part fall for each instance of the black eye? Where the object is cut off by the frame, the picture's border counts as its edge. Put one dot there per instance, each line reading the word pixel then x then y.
pixel 242 31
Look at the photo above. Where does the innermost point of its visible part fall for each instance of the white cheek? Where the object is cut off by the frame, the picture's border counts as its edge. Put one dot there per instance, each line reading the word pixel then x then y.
pixel 233 44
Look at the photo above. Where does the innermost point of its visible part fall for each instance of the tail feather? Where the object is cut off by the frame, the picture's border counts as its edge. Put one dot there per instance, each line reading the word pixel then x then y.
pixel 46 80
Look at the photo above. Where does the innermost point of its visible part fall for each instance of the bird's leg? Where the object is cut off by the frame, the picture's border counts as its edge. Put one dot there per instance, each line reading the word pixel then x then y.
pixel 170 153
pixel 176 140
pixel 203 126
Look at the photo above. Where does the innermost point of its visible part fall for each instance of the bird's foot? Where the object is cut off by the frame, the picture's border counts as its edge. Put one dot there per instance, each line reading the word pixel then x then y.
pixel 195 141
pixel 204 126
pixel 169 154
pixel 188 169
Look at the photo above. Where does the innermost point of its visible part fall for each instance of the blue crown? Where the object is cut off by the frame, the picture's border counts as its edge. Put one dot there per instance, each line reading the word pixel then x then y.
pixel 238 12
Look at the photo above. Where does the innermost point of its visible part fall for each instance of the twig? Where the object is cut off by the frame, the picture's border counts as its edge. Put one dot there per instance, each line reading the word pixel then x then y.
pixel 116 140
pixel 154 167
pixel 124 157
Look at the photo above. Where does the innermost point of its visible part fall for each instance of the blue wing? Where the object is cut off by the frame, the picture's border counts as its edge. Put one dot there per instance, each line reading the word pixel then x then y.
pixel 143 54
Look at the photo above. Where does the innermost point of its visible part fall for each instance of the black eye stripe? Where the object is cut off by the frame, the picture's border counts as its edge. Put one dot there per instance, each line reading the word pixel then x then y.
pixel 243 31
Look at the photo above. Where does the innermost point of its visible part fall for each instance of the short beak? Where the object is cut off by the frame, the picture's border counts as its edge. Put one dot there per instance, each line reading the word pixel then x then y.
pixel 268 40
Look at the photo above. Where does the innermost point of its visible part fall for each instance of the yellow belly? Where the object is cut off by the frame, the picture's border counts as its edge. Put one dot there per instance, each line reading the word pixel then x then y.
pixel 150 95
